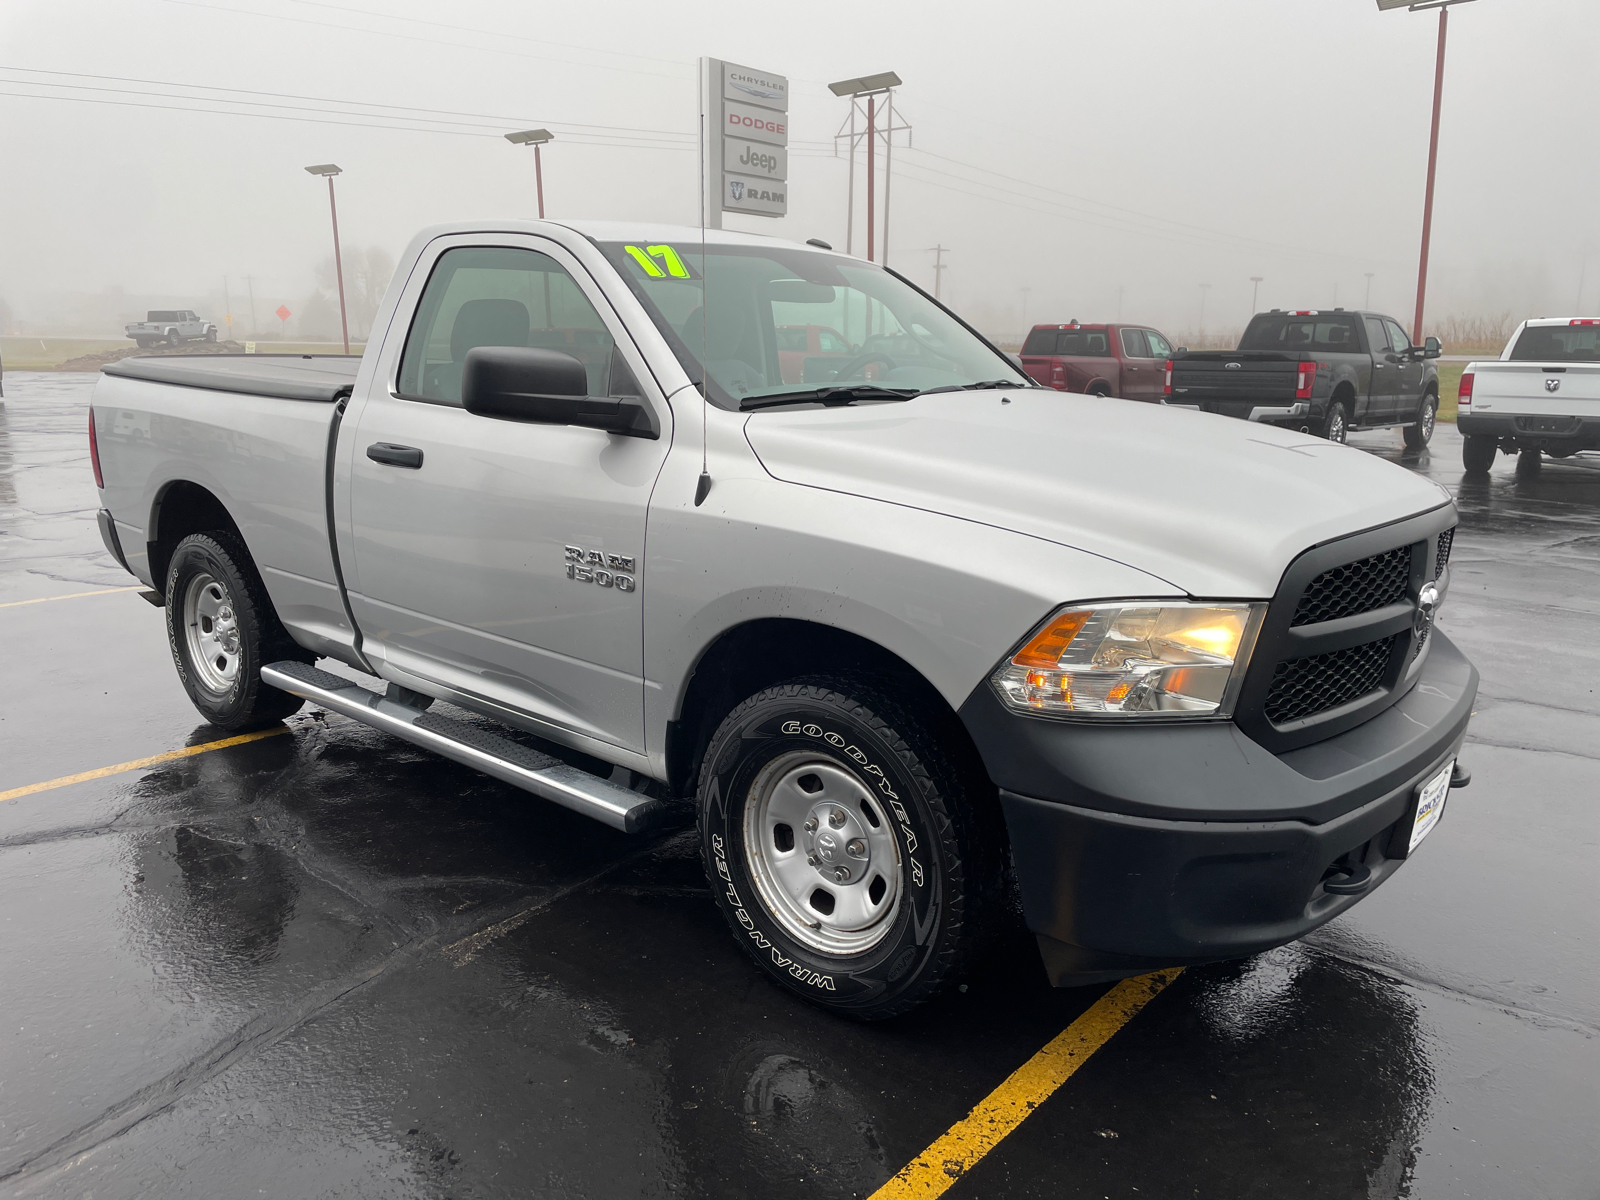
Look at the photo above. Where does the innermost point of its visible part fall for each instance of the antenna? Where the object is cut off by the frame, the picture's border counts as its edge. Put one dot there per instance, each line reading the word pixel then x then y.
pixel 702 488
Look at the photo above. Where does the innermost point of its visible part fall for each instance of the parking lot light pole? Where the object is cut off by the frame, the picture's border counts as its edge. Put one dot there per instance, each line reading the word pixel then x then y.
pixel 1368 303
pixel 870 86
pixel 1255 292
pixel 535 138
pixel 1433 143
pixel 329 170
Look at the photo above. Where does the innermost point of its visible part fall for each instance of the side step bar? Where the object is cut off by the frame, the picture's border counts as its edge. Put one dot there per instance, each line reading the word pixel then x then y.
pixel 506 760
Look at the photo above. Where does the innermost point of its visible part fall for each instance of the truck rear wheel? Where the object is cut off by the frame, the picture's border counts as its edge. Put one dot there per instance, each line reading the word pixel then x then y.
pixel 855 864
pixel 172 337
pixel 1478 451
pixel 144 343
pixel 1419 435
pixel 222 630
pixel 1336 428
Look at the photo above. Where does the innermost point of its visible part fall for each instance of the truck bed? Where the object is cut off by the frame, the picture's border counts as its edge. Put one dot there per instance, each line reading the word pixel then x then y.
pixel 316 377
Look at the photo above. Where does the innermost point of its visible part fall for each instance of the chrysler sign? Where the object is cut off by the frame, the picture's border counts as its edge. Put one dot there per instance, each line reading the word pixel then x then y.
pixel 745 135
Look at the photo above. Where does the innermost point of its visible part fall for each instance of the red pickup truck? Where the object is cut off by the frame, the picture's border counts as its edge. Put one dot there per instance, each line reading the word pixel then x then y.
pixel 1102 360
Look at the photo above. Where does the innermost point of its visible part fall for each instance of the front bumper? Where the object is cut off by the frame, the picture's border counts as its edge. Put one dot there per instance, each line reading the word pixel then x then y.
pixel 1531 431
pixel 1138 847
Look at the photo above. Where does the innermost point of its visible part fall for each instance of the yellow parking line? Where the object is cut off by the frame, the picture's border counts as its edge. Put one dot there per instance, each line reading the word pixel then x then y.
pixel 169 756
pixel 72 596
pixel 937 1168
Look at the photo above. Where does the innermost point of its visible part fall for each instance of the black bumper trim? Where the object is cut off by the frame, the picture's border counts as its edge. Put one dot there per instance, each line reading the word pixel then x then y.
pixel 1583 434
pixel 108 535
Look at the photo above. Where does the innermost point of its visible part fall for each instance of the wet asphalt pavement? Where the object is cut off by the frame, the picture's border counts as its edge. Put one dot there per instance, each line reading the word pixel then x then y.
pixel 329 964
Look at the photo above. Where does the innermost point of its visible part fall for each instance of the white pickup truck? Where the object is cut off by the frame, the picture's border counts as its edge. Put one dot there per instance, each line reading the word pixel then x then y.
pixel 902 642
pixel 174 326
pixel 1541 397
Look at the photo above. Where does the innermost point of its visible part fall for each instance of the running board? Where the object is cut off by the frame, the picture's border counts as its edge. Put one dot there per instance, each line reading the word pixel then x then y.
pixel 530 770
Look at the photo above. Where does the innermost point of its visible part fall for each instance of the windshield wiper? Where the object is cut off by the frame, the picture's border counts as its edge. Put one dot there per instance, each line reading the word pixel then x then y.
pixel 980 386
pixel 833 397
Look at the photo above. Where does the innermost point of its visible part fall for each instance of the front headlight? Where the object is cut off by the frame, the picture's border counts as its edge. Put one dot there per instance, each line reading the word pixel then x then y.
pixel 1133 659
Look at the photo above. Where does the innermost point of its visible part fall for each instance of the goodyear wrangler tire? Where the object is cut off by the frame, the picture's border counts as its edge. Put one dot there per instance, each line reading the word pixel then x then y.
pixel 222 630
pixel 854 863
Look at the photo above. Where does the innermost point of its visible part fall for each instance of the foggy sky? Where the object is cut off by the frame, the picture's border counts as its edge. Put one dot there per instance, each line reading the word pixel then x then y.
pixel 1106 156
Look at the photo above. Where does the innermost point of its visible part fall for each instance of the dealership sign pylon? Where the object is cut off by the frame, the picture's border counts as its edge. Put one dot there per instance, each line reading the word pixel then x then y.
pixel 744 141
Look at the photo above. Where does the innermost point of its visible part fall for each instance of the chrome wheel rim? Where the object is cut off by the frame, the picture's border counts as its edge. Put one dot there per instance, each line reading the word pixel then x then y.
pixel 211 633
pixel 1427 421
pixel 1336 427
pixel 822 854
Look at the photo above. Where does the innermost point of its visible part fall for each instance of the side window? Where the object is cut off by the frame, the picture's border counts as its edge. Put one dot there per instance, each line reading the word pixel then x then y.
pixel 1159 346
pixel 1133 344
pixel 792 338
pixel 829 342
pixel 1397 336
pixel 501 296
pixel 1377 335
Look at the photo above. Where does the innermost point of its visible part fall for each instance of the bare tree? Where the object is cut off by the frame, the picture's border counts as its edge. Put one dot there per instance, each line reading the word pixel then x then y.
pixel 367 271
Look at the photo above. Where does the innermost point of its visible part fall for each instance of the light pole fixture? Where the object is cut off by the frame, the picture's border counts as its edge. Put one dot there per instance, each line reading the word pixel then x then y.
pixel 870 87
pixel 534 138
pixel 1255 292
pixel 330 171
pixel 1433 142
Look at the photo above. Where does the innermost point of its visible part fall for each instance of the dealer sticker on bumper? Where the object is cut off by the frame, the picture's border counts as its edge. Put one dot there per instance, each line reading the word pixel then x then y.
pixel 1430 804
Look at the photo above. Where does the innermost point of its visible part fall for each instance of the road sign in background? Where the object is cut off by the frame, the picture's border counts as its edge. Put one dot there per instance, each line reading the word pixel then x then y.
pixel 745 135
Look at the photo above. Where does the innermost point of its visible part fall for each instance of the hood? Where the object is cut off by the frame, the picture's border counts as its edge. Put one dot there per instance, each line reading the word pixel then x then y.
pixel 1212 505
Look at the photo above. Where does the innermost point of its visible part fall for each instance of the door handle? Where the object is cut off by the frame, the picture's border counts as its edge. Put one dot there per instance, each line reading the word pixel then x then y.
pixel 395 456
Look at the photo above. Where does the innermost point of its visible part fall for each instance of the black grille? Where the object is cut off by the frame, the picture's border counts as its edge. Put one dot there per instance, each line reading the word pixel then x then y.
pixel 1303 687
pixel 1442 559
pixel 1356 587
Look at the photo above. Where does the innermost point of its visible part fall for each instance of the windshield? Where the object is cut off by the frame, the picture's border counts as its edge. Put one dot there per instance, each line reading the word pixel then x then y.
pixel 1320 331
pixel 1558 343
pixel 766 321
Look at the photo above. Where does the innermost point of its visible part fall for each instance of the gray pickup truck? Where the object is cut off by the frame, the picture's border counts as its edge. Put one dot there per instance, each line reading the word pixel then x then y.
pixel 903 643
pixel 1322 371
pixel 173 326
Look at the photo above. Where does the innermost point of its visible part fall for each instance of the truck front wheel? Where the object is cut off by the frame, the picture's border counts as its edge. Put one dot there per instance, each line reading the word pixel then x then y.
pixel 854 862
pixel 1417 436
pixel 1478 451
pixel 222 630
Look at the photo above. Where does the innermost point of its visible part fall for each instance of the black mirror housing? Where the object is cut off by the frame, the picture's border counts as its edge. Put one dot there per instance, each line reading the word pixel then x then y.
pixel 547 387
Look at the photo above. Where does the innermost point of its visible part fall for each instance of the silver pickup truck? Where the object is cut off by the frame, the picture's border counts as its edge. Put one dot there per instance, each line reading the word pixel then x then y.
pixel 912 635
pixel 173 326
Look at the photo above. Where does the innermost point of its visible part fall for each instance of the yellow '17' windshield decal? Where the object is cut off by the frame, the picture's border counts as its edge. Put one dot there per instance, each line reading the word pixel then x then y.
pixel 646 257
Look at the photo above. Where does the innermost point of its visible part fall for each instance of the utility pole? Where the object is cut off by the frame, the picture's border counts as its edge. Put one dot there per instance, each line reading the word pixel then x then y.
pixel 1368 302
pixel 250 282
pixel 329 170
pixel 1025 292
pixel 227 309
pixel 1255 293
pixel 938 253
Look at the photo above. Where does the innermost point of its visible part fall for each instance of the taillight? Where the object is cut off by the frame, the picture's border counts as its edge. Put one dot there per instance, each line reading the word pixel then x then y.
pixel 94 453
pixel 1058 375
pixel 1166 383
pixel 1464 395
pixel 1305 380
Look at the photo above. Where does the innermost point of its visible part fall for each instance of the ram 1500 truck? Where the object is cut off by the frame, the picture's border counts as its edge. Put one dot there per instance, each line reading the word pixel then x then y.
pixel 1126 361
pixel 172 326
pixel 1541 397
pixel 1322 371
pixel 899 641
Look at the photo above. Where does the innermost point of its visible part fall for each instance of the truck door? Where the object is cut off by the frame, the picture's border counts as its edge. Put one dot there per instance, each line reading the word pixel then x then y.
pixel 1139 375
pixel 1408 373
pixel 1385 374
pixel 500 558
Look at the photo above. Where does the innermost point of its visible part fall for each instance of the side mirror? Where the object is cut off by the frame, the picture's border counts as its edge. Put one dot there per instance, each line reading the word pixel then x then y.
pixel 1432 348
pixel 1183 350
pixel 547 387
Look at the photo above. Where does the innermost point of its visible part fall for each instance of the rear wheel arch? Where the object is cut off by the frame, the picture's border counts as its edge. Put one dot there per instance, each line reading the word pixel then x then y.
pixel 183 507
pixel 758 654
